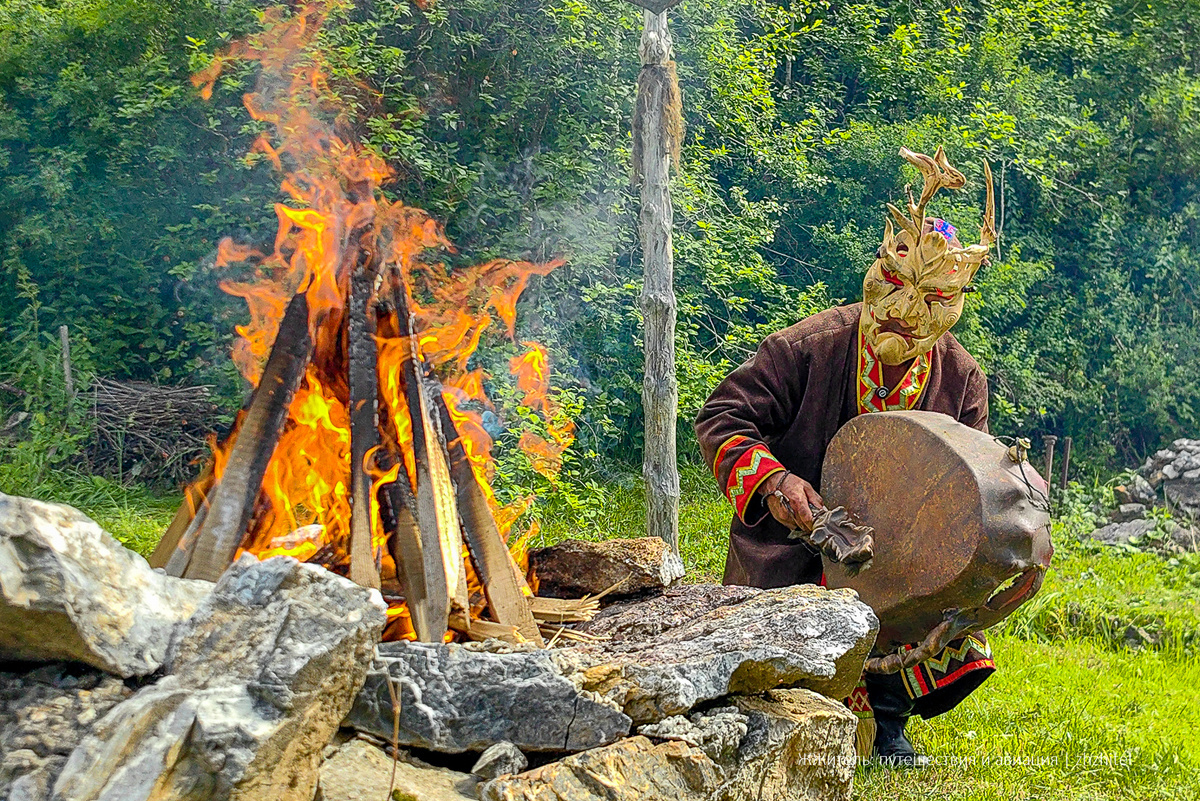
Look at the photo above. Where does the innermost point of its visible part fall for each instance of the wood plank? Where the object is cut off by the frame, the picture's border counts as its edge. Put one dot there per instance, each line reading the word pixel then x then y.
pixel 489 553
pixel 193 498
pixel 430 609
pixel 221 531
pixel 364 407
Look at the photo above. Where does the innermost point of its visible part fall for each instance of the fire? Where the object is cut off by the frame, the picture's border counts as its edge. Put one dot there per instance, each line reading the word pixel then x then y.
pixel 334 215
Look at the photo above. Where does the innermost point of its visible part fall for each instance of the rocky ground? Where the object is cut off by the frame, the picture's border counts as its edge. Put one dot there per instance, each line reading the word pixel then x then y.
pixel 123 684
pixel 1170 480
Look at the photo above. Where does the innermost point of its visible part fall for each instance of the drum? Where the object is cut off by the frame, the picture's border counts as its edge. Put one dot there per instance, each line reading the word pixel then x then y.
pixel 962 524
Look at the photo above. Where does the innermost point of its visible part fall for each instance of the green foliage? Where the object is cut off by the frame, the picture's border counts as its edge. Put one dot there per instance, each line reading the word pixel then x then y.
pixel 116 181
pixel 510 121
pixel 44 426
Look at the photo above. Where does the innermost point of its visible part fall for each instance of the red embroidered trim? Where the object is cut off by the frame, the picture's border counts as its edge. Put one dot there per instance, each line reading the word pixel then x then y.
pixel 748 473
pixel 859 702
pixel 967 668
pixel 870 377
pixel 737 439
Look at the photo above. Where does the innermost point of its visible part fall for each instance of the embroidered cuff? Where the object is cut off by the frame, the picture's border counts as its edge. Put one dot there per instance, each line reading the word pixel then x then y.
pixel 749 472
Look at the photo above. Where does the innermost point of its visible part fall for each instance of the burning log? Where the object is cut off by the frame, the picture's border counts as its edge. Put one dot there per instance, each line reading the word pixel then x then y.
pixel 489 553
pixel 433 512
pixel 358 387
pixel 364 421
pixel 210 543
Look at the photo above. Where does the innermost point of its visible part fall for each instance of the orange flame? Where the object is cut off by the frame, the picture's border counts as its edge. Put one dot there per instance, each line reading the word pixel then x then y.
pixel 334 215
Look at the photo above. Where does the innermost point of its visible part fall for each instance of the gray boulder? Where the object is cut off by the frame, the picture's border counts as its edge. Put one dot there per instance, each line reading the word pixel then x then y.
pixel 1183 495
pixel 467 697
pixel 575 568
pixel 69 591
pixel 257 683
pixel 1126 512
pixel 800 636
pixel 787 744
pixel 1185 538
pixel 1122 533
pixel 1136 491
pixel 717 732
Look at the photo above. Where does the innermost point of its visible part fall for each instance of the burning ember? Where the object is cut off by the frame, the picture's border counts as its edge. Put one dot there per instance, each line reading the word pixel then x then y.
pixel 363 447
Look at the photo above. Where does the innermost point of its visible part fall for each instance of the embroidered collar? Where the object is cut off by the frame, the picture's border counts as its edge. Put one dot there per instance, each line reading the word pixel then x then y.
pixel 873 396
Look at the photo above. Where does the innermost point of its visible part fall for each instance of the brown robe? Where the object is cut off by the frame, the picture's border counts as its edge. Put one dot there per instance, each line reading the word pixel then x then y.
pixel 792 397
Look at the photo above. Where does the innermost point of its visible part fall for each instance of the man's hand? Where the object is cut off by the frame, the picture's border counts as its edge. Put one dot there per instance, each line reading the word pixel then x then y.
pixel 800 495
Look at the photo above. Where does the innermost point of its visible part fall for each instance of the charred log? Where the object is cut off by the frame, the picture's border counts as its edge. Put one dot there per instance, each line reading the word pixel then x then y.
pixel 209 545
pixel 364 422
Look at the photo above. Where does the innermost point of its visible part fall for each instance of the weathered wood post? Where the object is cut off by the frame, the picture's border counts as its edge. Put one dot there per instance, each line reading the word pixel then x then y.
pixel 68 379
pixel 1048 442
pixel 657 131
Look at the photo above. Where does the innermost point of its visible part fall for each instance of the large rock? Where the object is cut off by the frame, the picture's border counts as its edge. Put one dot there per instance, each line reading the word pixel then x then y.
pixel 780 746
pixel 359 771
pixel 1136 491
pixel 69 591
pixel 717 732
pixel 1122 533
pixel 1185 538
pixel 44 713
pixel 456 698
pixel 1184 495
pixel 257 683
pixel 1126 512
pixel 498 760
pixel 632 770
pixel 642 620
pixel 800 746
pixel 575 568
pixel 800 636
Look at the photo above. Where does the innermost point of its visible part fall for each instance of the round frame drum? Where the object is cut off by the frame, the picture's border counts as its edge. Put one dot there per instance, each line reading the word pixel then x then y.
pixel 962 528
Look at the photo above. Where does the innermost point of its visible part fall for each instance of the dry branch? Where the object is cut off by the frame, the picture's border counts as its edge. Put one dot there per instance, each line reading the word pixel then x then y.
pixel 149 429
pixel 563 610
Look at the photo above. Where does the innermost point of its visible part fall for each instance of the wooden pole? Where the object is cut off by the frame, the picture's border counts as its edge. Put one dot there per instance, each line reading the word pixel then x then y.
pixel 68 378
pixel 1066 466
pixel 655 132
pixel 1048 442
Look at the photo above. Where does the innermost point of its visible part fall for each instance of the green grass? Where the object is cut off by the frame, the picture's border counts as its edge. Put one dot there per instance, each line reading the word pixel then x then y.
pixel 134 515
pixel 1115 598
pixel 1071 719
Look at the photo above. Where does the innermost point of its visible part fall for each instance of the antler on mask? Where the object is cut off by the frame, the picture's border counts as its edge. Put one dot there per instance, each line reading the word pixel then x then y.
pixel 912 294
